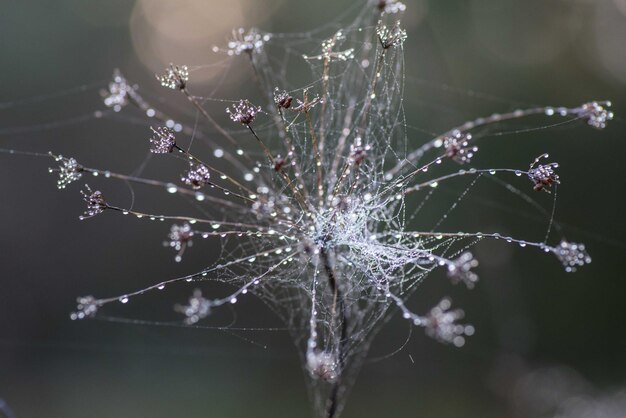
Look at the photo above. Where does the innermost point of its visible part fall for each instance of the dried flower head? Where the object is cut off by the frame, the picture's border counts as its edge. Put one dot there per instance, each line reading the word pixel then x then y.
pixel 179 238
pixel 441 324
pixel 243 112
pixel 282 98
pixel 596 113
pixel 95 202
pixel 457 147
pixel 246 42
pixel 175 77
pixel 163 141
pixel 572 255
pixel 329 52
pixel 390 37
pixel 460 270
pixel 116 97
pixel 197 176
pixel 391 6
pixel 87 308
pixel 69 170
pixel 197 308
pixel 543 175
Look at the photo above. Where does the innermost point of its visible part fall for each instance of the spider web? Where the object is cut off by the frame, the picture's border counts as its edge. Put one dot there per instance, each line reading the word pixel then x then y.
pixel 313 201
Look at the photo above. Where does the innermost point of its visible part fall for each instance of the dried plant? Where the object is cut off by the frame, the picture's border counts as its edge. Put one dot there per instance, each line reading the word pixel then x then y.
pixel 316 219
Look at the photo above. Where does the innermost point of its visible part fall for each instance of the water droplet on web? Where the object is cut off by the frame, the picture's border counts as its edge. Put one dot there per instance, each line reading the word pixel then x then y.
pixel 171 188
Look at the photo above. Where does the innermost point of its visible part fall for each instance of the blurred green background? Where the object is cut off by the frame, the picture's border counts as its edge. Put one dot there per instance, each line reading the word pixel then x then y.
pixel 464 59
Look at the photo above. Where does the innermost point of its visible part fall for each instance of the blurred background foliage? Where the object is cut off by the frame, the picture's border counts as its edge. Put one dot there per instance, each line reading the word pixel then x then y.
pixel 464 59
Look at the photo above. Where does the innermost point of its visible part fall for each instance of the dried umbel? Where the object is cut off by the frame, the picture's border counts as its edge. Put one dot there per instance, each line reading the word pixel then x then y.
pixel 179 239
pixel 458 148
pixel 543 175
pixel 163 141
pixel 248 42
pixel 197 176
pixel 243 112
pixel 175 77
pixel 198 308
pixel 69 170
pixel 312 206
pixel 95 203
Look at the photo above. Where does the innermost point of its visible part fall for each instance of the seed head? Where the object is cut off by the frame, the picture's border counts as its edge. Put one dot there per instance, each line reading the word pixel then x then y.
pixel 457 147
pixel 95 203
pixel 69 171
pixel 440 324
pixel 179 239
pixel 246 42
pixel 243 112
pixel 596 113
pixel 388 37
pixel 163 140
pixel 116 97
pixel 175 77
pixel 572 255
pixel 391 6
pixel 460 270
pixel 197 309
pixel 543 175
pixel 197 176
pixel 282 98
pixel 87 308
